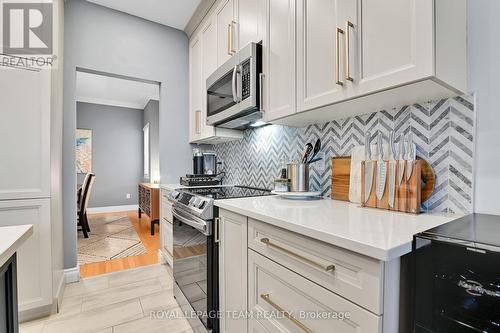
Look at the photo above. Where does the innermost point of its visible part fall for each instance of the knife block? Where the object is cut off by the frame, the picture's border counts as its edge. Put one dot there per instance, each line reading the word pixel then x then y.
pixel 407 197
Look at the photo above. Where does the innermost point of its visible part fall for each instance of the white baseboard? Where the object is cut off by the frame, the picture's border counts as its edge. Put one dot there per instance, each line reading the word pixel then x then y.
pixel 72 274
pixel 111 209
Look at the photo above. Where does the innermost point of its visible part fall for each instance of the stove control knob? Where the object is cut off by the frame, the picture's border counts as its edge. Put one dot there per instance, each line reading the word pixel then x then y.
pixel 174 194
pixel 202 204
pixel 192 201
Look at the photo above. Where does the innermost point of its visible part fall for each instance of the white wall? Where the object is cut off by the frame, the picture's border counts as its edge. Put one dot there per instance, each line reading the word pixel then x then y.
pixel 484 79
pixel 101 39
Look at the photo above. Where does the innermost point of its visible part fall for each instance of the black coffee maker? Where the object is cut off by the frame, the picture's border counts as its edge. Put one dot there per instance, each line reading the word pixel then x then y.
pixel 204 163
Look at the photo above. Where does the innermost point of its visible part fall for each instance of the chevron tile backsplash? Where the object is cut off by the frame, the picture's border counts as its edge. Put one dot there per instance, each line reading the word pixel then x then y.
pixel 443 132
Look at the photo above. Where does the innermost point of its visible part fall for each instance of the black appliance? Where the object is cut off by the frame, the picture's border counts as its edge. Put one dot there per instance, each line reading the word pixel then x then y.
pixel 457 276
pixel 234 90
pixel 196 261
pixel 198 162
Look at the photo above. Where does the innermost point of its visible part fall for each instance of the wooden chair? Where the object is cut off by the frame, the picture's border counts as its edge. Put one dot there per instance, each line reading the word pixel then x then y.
pixel 80 190
pixel 84 201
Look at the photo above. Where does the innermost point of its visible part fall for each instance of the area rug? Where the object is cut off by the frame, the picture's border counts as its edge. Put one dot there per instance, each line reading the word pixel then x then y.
pixel 112 236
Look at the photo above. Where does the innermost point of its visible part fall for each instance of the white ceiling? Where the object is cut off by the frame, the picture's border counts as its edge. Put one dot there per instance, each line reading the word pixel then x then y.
pixel 173 13
pixel 100 89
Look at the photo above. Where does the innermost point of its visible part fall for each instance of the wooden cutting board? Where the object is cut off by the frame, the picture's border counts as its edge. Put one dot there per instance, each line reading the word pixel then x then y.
pixel 341 169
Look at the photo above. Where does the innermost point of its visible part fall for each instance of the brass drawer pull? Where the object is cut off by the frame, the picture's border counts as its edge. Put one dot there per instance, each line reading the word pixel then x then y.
pixel 287 314
pixel 326 268
pixel 348 26
pixel 337 62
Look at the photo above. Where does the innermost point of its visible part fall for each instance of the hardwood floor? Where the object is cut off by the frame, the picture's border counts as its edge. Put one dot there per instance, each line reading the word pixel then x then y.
pixel 151 243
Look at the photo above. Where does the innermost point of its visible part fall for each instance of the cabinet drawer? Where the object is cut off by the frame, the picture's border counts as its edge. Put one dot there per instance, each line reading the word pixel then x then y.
pixel 353 276
pixel 274 290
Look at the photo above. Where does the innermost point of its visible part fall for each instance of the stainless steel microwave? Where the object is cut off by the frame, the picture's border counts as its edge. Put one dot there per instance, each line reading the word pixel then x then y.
pixel 234 90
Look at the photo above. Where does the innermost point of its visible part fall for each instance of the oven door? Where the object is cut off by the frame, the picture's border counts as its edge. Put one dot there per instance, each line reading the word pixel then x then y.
pixel 195 266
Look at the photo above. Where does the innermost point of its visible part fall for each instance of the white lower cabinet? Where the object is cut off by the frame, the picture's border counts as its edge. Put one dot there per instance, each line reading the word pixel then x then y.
pixel 34 259
pixel 166 227
pixel 266 271
pixel 232 270
pixel 311 308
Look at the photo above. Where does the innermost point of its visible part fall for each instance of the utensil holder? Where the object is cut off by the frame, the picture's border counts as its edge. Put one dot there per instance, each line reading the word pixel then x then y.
pixel 298 173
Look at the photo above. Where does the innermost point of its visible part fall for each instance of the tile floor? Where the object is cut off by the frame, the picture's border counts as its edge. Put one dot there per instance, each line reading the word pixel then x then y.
pixel 120 302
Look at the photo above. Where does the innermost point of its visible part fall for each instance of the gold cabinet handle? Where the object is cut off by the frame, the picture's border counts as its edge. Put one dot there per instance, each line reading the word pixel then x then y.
pixel 198 121
pixel 348 26
pixel 229 33
pixel 337 62
pixel 287 314
pixel 326 268
pixel 231 40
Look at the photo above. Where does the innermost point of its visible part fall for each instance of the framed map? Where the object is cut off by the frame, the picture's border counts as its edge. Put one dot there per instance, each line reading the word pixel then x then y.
pixel 83 150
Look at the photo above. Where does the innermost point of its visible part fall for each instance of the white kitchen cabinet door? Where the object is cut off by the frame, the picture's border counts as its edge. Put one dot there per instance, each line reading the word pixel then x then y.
pixel 226 31
pixel 396 38
pixel 251 21
pixel 25 134
pixel 195 88
pixel 166 227
pixel 34 261
pixel 324 27
pixel 209 65
pixel 279 59
pixel 232 270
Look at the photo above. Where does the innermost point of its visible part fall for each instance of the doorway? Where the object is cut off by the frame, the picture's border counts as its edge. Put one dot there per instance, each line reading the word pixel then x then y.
pixel 116 146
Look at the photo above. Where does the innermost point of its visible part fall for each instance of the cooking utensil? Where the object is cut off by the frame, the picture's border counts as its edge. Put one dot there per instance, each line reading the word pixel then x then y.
pixel 315 160
pixel 317 148
pixel 381 168
pixel 307 151
pixel 401 159
pixel 392 170
pixel 369 164
pixel 410 157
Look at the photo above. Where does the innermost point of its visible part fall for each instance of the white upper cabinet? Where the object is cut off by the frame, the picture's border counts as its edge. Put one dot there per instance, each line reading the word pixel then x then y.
pixel 341 58
pixel 279 59
pixel 324 29
pixel 251 21
pixel 209 65
pixel 25 134
pixel 195 81
pixel 226 31
pixel 204 55
pixel 397 43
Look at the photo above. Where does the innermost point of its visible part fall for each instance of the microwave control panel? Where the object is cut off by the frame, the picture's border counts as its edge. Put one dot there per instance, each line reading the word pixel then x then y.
pixel 245 80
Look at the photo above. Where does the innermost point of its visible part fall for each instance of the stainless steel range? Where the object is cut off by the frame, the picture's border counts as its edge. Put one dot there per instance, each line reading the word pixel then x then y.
pixel 196 260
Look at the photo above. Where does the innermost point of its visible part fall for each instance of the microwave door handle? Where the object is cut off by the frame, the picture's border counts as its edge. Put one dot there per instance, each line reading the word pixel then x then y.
pixel 239 86
pixel 233 84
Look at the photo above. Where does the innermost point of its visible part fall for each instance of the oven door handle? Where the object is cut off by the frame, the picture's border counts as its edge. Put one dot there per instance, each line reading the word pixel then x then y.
pixel 190 221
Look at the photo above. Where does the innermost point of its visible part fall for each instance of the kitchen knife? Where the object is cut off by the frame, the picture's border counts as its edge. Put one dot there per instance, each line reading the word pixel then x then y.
pixel 410 157
pixel 392 170
pixel 401 159
pixel 368 167
pixel 381 168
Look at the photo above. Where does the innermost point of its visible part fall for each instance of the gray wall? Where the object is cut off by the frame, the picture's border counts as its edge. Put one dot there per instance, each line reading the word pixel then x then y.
pixel 152 117
pixel 116 152
pixel 102 39
pixel 484 74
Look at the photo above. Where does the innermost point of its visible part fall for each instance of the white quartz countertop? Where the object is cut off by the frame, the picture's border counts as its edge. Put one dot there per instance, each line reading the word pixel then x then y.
pixel 375 233
pixel 11 238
